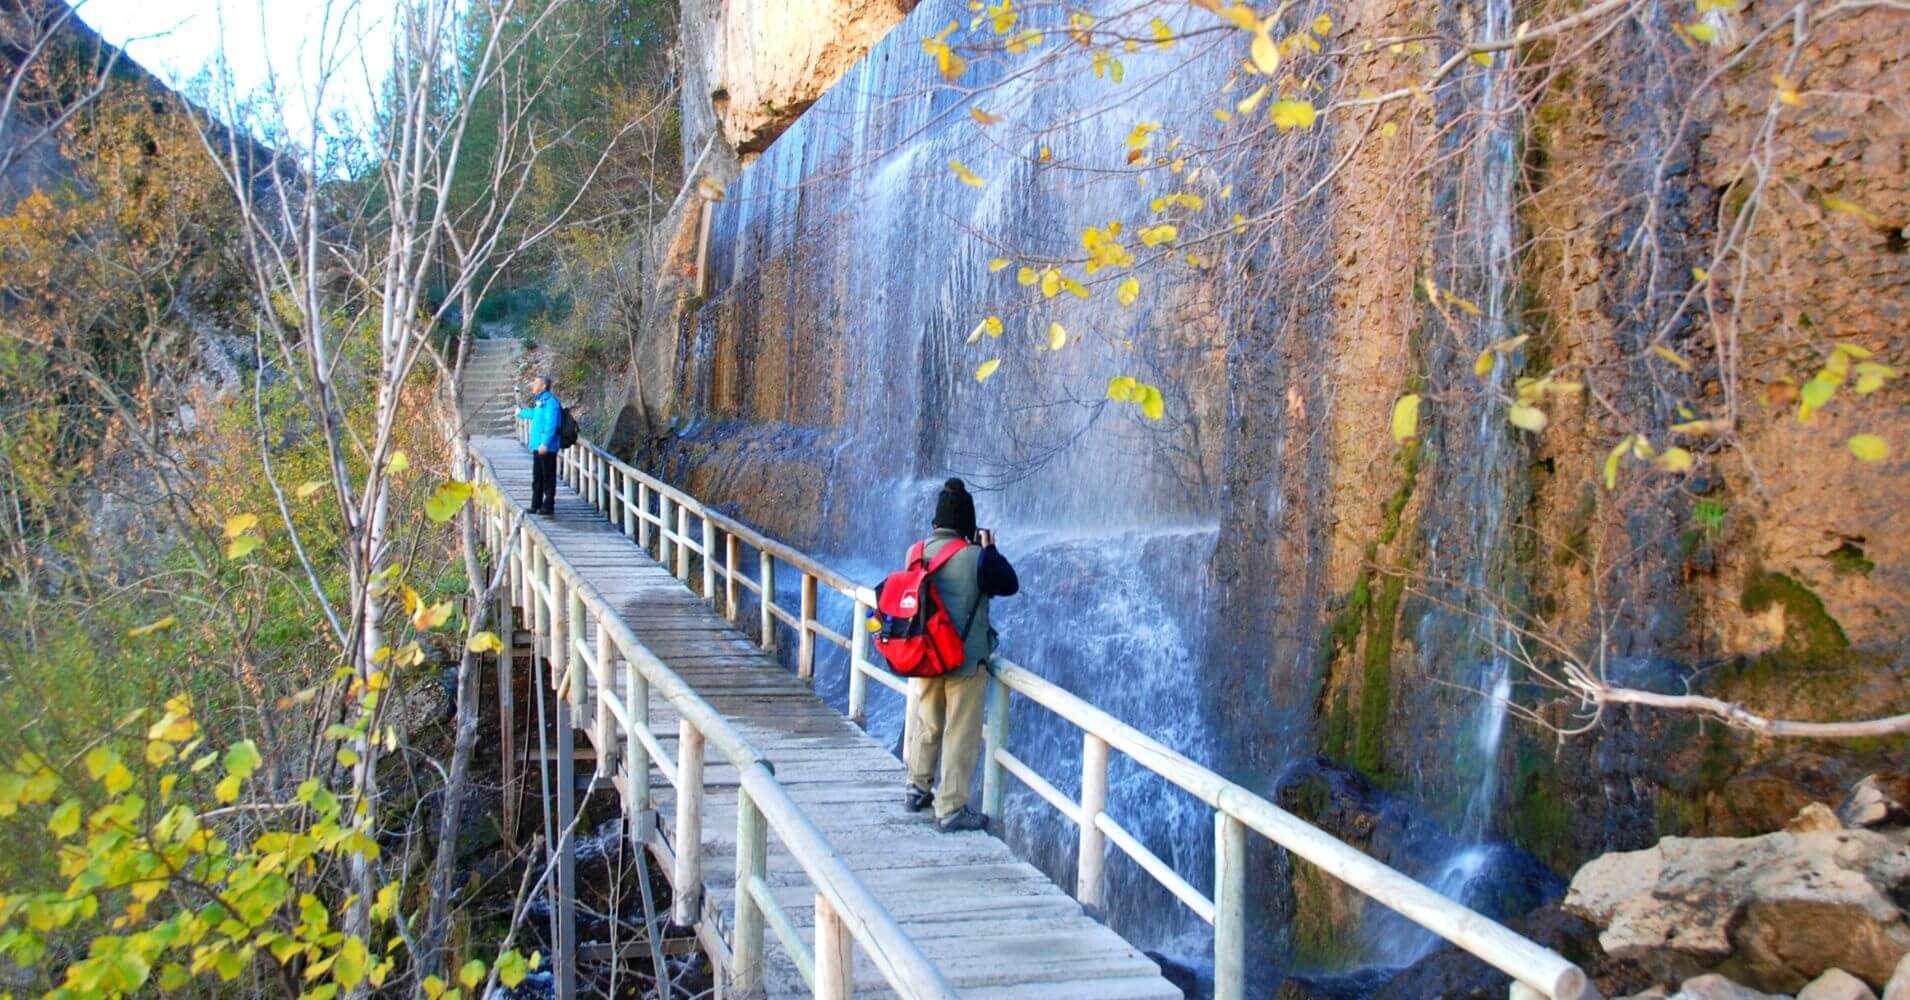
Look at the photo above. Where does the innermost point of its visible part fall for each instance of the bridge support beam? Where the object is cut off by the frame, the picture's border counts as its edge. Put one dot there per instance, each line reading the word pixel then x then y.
pixel 1230 908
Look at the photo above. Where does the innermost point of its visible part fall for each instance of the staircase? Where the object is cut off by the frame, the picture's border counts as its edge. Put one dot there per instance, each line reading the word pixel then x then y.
pixel 490 388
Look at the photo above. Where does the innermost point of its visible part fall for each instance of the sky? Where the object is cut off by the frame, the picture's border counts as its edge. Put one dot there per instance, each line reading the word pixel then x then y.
pixel 179 39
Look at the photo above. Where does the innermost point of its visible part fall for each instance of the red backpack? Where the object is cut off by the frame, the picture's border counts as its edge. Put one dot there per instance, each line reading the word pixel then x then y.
pixel 914 631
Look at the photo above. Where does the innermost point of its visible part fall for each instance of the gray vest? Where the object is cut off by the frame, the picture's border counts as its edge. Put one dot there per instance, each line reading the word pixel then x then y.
pixel 959 583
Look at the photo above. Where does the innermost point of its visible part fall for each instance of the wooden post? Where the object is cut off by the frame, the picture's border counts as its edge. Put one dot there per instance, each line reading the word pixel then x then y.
pixel 994 740
pixel 683 542
pixel 1230 908
pixel 732 551
pixel 636 754
pixel 506 696
pixel 565 961
pixel 766 579
pixel 1093 845
pixel 912 705
pixel 709 558
pixel 1520 991
pixel 574 660
pixel 858 654
pixel 558 640
pixel 835 954
pixel 752 861
pixel 629 508
pixel 806 637
pixel 643 522
pixel 606 655
pixel 688 882
pixel 663 530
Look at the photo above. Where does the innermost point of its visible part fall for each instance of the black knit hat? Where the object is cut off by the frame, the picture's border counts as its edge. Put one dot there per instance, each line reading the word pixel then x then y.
pixel 955 509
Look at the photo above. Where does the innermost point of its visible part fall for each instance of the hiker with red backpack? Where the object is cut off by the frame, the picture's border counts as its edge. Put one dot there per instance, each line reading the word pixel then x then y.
pixel 933 628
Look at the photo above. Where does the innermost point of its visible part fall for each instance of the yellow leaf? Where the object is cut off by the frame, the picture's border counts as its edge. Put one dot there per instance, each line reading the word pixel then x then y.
pixel 1673 460
pixel 1057 337
pixel 240 546
pixel 986 369
pixel 1871 377
pixel 1240 16
pixel 399 462
pixel 1322 25
pixel 1388 130
pixel 1156 235
pixel 1406 418
pixel 1869 447
pixel 1786 91
pixel 982 117
pixel 998 263
pixel 1163 35
pixel 1700 274
pixel 1702 32
pixel 471 974
pixel 150 627
pixel 486 642
pixel 1293 114
pixel 1050 283
pixel 1121 388
pixel 965 175
pixel 1482 366
pixel 1153 407
pixel 239 524
pixel 1027 275
pixel 1526 418
pixel 1847 207
pixel 1701 428
pixel 1252 101
pixel 1265 54
pixel 305 490
pixel 1611 460
pixel 1482 58
pixel 1670 355
pixel 993 325
pixel 1128 291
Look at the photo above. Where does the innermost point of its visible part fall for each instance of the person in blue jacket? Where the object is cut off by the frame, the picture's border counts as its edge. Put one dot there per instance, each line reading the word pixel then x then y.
pixel 543 413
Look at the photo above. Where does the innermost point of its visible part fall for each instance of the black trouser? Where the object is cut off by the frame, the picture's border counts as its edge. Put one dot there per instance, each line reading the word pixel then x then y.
pixel 544 481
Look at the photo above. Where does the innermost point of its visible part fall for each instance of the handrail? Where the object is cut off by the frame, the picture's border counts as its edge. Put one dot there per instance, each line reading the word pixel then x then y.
pixel 846 911
pixel 1535 969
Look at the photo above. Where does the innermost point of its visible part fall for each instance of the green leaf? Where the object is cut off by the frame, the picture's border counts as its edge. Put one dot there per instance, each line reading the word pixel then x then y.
pixel 349 968
pixel 1868 447
pixel 242 758
pixel 65 820
pixel 239 547
pixel 449 498
pixel 512 969
pixel 471 974
pixel 1406 418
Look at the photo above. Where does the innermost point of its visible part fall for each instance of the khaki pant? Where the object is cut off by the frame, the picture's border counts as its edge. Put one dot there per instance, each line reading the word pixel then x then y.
pixel 948 725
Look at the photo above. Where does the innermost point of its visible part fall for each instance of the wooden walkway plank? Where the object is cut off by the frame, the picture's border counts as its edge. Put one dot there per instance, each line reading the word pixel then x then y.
pixel 993 923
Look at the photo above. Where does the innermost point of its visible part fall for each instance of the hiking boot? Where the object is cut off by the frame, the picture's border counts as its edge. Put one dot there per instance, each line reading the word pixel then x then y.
pixel 915 799
pixel 962 819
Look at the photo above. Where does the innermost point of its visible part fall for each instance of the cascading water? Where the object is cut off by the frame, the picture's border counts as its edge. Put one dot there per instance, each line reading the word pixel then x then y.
pixel 1484 266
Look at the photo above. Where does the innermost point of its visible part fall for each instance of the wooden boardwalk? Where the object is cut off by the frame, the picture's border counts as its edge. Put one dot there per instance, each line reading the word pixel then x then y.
pixel 993 924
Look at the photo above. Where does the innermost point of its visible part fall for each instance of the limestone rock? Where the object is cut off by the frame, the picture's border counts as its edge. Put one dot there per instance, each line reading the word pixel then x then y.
pixel 1899 986
pixel 1813 818
pixel 1877 800
pixel 1712 986
pixel 1785 907
pixel 1836 985
pixel 774 58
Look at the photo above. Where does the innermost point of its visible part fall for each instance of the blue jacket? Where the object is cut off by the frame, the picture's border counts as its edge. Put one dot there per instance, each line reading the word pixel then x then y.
pixel 542 413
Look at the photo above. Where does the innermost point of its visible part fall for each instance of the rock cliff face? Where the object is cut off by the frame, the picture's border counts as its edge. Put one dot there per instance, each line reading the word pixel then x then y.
pixel 1271 574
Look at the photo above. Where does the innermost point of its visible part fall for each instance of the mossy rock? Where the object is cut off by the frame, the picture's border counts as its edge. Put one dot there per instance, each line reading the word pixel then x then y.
pixel 1809 630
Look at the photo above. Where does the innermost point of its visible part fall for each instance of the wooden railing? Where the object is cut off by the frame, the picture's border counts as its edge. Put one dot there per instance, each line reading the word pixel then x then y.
pixel 559 602
pixel 628 496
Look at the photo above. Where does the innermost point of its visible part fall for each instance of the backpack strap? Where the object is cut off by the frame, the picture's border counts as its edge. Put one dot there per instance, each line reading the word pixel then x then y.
pixel 919 553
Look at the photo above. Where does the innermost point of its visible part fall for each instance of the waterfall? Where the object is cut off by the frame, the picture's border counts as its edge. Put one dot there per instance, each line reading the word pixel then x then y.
pixel 1484 265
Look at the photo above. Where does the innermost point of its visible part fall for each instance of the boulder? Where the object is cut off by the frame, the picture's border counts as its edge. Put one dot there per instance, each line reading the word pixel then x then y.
pixel 1877 800
pixel 1783 908
pixel 1899 986
pixel 1760 800
pixel 1812 818
pixel 1712 986
pixel 1836 985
